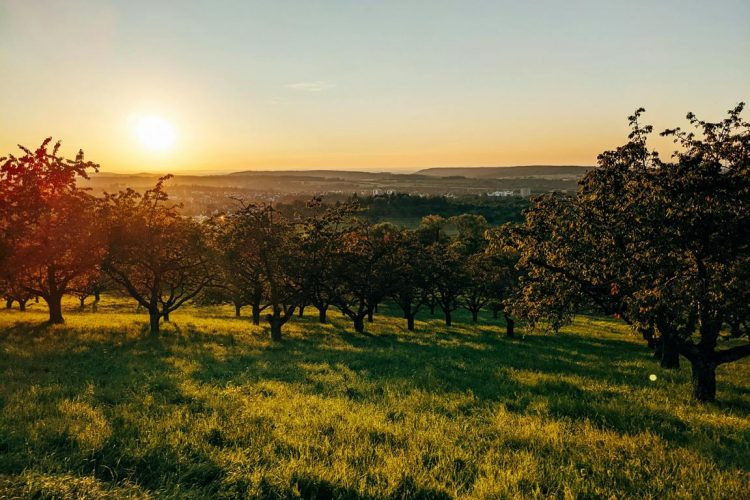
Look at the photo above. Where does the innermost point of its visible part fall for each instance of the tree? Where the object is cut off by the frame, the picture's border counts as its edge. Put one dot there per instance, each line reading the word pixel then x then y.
pixel 432 230
pixel 477 292
pixel 238 278
pixel 705 195
pixel 503 276
pixel 408 268
pixel 472 245
pixel 13 292
pixel 590 251
pixel 266 237
pixel 90 284
pixel 50 228
pixel 359 277
pixel 663 244
pixel 319 239
pixel 384 237
pixel 446 276
pixel 154 254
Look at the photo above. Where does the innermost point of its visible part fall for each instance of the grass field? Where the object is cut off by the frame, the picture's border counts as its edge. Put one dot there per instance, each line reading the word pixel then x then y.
pixel 95 408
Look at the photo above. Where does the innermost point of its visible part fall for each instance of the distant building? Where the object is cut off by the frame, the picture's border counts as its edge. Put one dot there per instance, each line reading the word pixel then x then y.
pixel 525 191
pixel 500 193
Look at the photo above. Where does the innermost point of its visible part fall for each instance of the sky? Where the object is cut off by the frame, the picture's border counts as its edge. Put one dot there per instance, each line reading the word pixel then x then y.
pixel 221 86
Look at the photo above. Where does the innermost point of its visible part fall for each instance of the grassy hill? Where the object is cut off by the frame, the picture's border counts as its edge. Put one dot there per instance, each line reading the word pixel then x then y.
pixel 212 409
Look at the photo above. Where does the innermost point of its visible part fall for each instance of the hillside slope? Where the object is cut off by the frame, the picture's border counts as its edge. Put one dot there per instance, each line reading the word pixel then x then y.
pixel 96 409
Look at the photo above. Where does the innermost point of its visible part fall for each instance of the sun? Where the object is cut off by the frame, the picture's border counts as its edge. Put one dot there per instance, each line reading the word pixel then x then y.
pixel 155 133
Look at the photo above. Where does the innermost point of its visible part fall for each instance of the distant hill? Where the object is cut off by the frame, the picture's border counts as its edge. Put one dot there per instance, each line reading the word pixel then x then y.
pixel 324 174
pixel 547 171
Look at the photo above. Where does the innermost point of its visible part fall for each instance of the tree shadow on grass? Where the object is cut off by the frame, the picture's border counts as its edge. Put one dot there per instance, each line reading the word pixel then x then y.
pixel 100 374
pixel 483 365
pixel 124 369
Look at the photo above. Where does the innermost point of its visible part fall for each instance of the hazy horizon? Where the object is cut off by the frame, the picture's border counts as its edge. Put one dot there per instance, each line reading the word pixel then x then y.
pixel 374 170
pixel 386 86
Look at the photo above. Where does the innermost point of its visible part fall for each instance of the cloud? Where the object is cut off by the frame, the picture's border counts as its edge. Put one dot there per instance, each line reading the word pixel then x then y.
pixel 316 86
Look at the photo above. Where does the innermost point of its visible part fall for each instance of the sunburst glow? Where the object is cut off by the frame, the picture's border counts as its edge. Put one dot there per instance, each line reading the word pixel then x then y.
pixel 155 133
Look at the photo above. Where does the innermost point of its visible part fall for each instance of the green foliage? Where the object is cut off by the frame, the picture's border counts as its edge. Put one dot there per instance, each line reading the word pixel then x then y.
pixel 401 206
pixel 664 244
pixel 96 408
pixel 50 234
pixel 154 254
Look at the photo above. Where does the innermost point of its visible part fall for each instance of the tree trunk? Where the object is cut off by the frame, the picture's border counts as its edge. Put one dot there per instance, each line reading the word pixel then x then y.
pixel 165 315
pixel 82 303
pixel 410 322
pixel 670 356
pixel 359 324
pixel 474 316
pixel 648 336
pixel 54 302
pixel 22 304
pixel 256 314
pixel 704 380
pixel 302 311
pixel 153 317
pixel 275 328
pixel 370 314
pixel 509 325
pixel 448 319
pixel 8 303
pixel 322 314
pixel 667 354
pixel 95 303
pixel 237 309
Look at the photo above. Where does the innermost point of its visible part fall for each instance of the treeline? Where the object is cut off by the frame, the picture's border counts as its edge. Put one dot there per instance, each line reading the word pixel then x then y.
pixel 377 208
pixel 62 240
pixel 400 205
pixel 663 245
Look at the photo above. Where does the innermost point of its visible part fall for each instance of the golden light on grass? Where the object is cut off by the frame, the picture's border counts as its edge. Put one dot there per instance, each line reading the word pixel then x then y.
pixel 213 408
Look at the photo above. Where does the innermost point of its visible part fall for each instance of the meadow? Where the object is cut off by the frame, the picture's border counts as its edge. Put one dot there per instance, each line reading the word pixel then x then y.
pixel 211 408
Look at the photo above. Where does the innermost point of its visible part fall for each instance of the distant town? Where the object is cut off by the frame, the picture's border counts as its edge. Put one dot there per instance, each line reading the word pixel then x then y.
pixel 211 194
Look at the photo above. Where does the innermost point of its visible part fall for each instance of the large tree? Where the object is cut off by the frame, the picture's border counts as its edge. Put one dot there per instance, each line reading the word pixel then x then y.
pixel 155 254
pixel 50 229
pixel 663 244
pixel 705 195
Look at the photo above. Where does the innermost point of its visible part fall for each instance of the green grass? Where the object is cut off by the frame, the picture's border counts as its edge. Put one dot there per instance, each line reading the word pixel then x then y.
pixel 94 408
